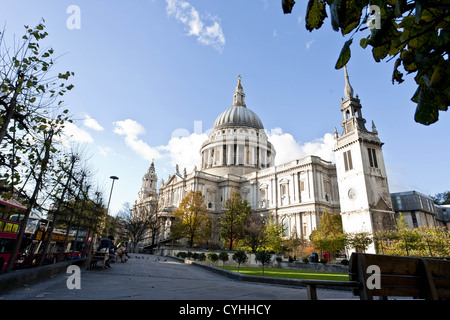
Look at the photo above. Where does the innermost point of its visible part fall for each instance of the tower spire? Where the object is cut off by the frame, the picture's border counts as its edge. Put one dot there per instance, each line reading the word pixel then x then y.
pixel 239 95
pixel 348 90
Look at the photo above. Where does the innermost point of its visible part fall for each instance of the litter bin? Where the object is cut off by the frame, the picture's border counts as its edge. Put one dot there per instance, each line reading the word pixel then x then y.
pixel 314 257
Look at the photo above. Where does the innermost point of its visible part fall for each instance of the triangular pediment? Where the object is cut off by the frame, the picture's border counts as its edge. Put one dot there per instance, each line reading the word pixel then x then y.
pixel 381 205
pixel 174 179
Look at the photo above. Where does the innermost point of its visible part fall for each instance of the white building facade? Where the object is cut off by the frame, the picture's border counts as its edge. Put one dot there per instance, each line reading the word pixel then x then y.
pixel 238 157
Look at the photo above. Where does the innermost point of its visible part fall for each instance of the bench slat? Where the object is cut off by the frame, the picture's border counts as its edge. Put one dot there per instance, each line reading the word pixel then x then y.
pixel 402 276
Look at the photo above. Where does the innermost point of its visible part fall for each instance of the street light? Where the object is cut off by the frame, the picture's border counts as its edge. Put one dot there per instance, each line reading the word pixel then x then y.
pixel 112 186
pixel 109 201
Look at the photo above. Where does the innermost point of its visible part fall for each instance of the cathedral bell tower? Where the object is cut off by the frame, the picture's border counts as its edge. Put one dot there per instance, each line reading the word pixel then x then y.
pixel 149 181
pixel 363 187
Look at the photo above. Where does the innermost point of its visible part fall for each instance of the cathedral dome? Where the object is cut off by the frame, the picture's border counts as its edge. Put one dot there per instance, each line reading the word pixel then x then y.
pixel 237 143
pixel 238 116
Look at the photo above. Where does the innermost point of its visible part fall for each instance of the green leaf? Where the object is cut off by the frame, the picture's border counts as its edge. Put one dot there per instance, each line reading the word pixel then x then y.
pixel 287 5
pixel 349 14
pixel 315 14
pixel 427 111
pixel 364 42
pixel 344 55
pixel 380 52
pixel 397 75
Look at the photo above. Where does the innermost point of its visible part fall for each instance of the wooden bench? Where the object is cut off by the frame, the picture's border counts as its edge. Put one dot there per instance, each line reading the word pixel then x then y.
pixel 420 278
pixel 311 286
pixel 97 256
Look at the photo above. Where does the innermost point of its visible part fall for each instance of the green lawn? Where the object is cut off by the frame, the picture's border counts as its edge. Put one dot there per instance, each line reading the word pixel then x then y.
pixel 290 273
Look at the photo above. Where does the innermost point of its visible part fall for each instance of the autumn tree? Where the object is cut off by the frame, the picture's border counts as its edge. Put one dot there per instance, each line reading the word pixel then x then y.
pixel 233 221
pixel 421 242
pixel 360 241
pixel 414 33
pixel 329 235
pixel 274 234
pixel 192 218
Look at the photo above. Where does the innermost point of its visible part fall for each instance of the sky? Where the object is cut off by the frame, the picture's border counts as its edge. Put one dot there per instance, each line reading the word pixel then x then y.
pixel 151 77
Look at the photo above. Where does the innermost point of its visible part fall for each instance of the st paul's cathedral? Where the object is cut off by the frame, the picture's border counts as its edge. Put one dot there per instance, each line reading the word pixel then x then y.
pixel 237 156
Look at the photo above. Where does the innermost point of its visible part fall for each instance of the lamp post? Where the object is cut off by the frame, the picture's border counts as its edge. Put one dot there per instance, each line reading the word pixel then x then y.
pixel 114 178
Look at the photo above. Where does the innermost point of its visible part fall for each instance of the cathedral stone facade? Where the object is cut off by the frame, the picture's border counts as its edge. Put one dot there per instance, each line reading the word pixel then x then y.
pixel 237 156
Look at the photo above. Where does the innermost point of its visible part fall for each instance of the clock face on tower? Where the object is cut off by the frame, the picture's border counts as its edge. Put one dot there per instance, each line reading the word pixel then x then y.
pixel 352 194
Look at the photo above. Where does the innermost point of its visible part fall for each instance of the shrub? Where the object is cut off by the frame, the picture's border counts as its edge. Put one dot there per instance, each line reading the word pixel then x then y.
pixel 344 262
pixel 264 257
pixel 213 257
pixel 240 257
pixel 224 257
pixel 182 254
pixel 305 260
pixel 202 257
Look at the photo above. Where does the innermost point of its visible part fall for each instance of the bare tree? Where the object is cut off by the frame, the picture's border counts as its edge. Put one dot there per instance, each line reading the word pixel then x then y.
pixel 135 225
pixel 148 211
pixel 254 231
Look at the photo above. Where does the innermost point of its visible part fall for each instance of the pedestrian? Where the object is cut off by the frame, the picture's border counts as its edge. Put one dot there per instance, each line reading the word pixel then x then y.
pixel 121 252
pixel 108 244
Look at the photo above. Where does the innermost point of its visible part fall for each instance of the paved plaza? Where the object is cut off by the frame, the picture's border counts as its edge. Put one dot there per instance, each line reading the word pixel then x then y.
pixel 144 277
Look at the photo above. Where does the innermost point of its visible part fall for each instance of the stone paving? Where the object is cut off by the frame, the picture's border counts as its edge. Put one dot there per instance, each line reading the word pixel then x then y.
pixel 144 277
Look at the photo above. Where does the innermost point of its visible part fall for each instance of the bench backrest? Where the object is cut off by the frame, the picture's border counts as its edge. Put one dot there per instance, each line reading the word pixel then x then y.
pixel 400 276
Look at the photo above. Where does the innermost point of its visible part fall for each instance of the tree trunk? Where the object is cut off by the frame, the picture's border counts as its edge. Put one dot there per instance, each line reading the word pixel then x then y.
pixel 37 187
pixel 56 215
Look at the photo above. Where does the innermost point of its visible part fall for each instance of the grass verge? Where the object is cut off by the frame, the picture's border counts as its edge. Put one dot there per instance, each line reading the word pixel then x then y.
pixel 290 273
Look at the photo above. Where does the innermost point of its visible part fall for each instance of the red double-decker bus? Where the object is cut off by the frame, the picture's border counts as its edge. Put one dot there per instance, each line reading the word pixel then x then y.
pixel 35 235
pixel 9 229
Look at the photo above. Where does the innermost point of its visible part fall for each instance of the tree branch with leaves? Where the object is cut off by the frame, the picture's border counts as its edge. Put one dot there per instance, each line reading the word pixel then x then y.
pixel 415 33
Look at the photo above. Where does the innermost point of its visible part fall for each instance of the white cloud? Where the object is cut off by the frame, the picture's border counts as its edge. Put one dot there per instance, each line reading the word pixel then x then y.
pixel 104 151
pixel 184 150
pixel 92 123
pixel 73 133
pixel 309 43
pixel 131 130
pixel 207 29
pixel 287 149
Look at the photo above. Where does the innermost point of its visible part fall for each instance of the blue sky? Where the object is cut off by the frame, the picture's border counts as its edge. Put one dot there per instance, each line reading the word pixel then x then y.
pixel 152 76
